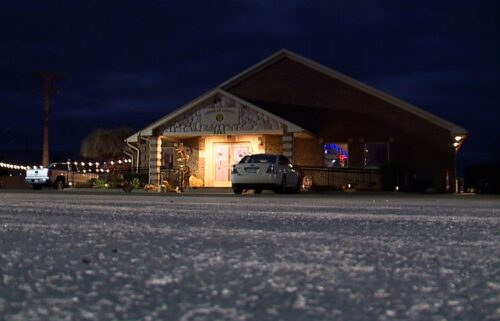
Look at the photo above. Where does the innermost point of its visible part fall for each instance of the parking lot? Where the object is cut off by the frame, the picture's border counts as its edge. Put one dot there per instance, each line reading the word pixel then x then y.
pixel 215 256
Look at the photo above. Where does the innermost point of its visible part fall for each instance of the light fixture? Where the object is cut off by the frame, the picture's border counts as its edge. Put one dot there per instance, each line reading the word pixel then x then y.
pixel 458 138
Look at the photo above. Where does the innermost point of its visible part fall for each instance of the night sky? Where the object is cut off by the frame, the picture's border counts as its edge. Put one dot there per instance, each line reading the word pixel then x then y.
pixel 127 63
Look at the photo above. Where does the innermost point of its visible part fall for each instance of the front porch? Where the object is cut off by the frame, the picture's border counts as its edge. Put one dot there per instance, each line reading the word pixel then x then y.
pixel 210 157
pixel 216 131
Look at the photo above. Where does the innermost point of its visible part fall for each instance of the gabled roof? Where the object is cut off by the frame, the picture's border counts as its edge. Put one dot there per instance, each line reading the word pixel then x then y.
pixel 286 54
pixel 283 54
pixel 148 130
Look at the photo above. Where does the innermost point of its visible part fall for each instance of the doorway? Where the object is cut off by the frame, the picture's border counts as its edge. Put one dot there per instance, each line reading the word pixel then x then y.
pixel 227 154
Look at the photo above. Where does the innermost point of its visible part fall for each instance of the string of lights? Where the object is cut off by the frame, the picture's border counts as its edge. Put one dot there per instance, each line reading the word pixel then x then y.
pixel 14 166
pixel 96 166
pixel 99 167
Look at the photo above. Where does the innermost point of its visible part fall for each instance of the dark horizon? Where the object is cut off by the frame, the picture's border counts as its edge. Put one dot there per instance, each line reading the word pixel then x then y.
pixel 128 64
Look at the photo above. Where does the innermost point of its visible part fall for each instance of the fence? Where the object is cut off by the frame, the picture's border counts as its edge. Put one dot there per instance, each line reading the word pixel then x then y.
pixel 314 177
pixel 341 178
pixel 13 182
pixel 173 176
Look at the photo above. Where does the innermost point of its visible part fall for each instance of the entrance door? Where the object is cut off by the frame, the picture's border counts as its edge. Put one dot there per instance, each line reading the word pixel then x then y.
pixel 239 151
pixel 227 154
pixel 222 162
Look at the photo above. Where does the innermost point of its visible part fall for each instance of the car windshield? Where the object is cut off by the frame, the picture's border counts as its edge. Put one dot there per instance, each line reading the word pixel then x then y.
pixel 260 158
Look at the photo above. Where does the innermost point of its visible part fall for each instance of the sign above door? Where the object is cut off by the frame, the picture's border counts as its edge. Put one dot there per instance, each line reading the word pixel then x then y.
pixel 220 116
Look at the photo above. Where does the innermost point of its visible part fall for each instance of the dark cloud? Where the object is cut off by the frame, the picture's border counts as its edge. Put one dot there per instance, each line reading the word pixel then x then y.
pixel 131 62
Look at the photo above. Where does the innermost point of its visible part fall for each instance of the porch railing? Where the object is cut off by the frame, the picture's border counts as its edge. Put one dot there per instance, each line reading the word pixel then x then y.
pixel 316 177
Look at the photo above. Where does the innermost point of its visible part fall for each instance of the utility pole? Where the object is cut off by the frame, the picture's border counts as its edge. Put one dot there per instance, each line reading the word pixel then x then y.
pixel 49 91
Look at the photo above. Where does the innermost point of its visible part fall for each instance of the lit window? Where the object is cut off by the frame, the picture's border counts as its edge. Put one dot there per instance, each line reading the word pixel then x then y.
pixel 376 154
pixel 336 155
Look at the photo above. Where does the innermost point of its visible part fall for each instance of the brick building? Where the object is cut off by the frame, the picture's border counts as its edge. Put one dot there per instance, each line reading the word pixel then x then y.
pixel 314 115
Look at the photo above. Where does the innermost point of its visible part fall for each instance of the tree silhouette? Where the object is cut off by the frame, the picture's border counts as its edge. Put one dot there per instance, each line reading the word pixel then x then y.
pixel 105 143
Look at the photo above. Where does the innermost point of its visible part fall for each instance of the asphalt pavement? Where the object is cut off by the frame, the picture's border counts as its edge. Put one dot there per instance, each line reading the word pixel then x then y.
pixel 117 256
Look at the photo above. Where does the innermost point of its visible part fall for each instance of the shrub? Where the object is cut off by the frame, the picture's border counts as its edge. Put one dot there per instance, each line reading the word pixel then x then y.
pixel 99 183
pixel 135 183
pixel 142 177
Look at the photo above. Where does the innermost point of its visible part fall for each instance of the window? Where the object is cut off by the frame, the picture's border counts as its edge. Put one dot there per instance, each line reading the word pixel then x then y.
pixel 376 154
pixel 259 158
pixel 336 155
pixel 283 160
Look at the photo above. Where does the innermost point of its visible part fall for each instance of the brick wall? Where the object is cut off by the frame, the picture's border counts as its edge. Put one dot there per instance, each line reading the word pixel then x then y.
pixel 143 154
pixel 338 112
pixel 273 144
pixel 308 152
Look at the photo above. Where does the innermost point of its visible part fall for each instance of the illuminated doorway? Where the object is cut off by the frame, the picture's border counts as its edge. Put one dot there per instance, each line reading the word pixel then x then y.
pixel 227 154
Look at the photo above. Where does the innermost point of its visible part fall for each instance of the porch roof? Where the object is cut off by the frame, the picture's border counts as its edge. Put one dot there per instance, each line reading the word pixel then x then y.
pixel 148 130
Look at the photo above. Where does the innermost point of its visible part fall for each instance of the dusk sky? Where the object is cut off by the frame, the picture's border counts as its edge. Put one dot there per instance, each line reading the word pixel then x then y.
pixel 127 63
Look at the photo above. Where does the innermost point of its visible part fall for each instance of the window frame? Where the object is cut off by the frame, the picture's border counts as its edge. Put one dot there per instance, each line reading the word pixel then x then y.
pixel 338 144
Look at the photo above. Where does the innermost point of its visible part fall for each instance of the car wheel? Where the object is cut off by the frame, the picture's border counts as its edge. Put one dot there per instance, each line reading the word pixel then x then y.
pixel 59 185
pixel 237 190
pixel 257 191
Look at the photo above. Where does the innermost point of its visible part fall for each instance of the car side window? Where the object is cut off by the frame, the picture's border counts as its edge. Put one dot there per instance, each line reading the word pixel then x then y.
pixel 59 166
pixel 285 161
pixel 54 166
pixel 244 159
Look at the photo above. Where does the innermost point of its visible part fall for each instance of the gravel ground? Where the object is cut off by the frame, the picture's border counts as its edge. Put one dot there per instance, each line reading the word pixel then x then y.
pixel 71 256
